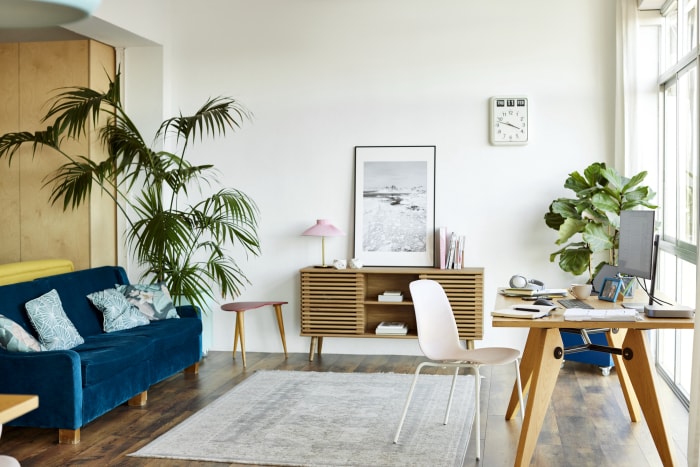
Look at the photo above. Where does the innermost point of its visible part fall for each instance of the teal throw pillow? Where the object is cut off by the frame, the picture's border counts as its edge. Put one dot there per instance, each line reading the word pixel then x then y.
pixel 14 338
pixel 56 332
pixel 117 312
pixel 153 300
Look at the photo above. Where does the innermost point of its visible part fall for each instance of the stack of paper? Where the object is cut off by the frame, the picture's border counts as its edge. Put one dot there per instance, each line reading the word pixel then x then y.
pixel 392 328
pixel 606 314
pixel 390 296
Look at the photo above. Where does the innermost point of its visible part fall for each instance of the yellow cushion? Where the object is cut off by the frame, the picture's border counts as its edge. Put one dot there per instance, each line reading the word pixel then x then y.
pixel 12 273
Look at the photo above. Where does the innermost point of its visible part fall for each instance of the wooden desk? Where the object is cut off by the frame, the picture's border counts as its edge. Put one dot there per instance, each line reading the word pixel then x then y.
pixel 542 359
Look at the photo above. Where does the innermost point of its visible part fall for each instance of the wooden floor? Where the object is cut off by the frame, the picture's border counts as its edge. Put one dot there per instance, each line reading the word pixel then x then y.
pixel 586 425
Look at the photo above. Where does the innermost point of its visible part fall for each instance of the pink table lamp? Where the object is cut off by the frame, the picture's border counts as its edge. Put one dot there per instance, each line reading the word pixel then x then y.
pixel 323 228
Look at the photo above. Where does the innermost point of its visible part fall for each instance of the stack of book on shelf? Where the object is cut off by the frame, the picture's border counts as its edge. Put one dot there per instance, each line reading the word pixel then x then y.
pixel 450 249
pixel 391 296
pixel 392 328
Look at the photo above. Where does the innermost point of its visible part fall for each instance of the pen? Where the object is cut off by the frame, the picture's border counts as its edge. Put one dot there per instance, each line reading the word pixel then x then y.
pixel 526 309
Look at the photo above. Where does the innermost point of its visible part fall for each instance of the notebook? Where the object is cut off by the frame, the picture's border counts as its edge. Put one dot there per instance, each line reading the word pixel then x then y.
pixel 524 311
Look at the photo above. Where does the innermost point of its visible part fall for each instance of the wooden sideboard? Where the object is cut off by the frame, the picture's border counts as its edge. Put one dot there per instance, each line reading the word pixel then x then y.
pixel 344 303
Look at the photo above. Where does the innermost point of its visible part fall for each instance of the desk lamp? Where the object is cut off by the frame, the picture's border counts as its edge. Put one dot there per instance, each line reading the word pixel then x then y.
pixel 323 228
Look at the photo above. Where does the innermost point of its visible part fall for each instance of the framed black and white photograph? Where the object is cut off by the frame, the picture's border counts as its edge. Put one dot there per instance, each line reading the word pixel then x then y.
pixel 395 205
pixel 612 286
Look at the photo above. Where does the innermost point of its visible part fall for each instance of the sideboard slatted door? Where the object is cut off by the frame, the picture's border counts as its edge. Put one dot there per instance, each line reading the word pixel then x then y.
pixel 466 294
pixel 332 303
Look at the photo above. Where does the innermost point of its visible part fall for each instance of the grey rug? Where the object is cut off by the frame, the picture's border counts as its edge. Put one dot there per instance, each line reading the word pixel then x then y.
pixel 326 419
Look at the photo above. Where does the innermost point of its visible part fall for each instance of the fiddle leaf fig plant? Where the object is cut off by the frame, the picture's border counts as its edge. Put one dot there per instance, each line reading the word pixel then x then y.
pixel 588 224
pixel 175 236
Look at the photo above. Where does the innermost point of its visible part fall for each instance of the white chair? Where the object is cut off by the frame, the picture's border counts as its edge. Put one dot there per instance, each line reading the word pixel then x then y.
pixel 439 341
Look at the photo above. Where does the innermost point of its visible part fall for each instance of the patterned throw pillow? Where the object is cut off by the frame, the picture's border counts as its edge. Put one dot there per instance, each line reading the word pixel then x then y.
pixel 118 313
pixel 14 338
pixel 55 330
pixel 153 300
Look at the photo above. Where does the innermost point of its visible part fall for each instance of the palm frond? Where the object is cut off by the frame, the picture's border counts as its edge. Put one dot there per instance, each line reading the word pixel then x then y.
pixel 72 182
pixel 214 118
pixel 184 244
pixel 10 143
pixel 229 216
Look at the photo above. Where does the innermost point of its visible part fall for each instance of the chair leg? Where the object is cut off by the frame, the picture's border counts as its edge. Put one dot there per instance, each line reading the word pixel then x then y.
pixel 477 407
pixel 452 392
pixel 520 388
pixel 408 402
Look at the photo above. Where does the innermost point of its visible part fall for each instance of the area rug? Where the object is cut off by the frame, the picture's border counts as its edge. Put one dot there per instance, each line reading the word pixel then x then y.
pixel 326 419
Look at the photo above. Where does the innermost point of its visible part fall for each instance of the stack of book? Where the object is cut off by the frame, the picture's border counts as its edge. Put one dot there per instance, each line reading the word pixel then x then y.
pixel 392 328
pixel 391 296
pixel 530 292
pixel 450 249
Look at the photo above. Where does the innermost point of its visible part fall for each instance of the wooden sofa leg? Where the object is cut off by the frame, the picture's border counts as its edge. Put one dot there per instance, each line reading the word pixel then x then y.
pixel 68 436
pixel 139 400
pixel 192 369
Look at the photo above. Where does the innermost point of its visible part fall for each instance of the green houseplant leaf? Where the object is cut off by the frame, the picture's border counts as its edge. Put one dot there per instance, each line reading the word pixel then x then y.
pixel 590 221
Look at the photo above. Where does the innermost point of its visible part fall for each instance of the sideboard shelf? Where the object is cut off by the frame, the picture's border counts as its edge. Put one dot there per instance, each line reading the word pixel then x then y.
pixel 343 302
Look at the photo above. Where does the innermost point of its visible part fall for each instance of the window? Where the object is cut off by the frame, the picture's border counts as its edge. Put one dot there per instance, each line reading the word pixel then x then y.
pixel 678 159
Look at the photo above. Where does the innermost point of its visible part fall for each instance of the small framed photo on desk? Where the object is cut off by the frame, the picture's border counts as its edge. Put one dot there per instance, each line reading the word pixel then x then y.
pixel 611 289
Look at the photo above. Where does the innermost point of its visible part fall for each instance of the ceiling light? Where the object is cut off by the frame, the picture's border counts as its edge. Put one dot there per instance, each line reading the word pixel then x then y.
pixel 43 13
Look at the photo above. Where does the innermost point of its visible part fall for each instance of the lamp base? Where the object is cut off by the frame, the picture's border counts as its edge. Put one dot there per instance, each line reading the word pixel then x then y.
pixel 326 266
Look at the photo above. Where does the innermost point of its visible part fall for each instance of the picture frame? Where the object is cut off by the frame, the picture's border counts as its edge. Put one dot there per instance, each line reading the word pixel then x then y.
pixel 611 289
pixel 395 205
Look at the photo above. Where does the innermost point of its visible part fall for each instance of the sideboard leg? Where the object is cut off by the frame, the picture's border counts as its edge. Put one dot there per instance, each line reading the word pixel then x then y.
pixel 312 348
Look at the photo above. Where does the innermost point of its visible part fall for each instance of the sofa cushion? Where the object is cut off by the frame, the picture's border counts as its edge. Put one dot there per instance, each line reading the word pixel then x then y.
pixel 14 338
pixel 105 355
pixel 153 300
pixel 56 332
pixel 117 312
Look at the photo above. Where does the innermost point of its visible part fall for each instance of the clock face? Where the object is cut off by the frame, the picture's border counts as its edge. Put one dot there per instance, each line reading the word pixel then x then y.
pixel 509 120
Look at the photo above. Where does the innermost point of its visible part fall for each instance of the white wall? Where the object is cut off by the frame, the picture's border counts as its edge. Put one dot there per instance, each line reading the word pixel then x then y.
pixel 324 76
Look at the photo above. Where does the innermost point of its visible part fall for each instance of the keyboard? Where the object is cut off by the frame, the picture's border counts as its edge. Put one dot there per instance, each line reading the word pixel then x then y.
pixel 574 303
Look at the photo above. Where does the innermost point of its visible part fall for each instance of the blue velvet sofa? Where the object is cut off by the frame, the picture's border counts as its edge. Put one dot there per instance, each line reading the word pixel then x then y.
pixel 78 385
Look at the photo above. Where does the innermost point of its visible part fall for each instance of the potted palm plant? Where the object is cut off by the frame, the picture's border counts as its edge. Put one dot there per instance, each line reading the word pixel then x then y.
pixel 588 224
pixel 176 238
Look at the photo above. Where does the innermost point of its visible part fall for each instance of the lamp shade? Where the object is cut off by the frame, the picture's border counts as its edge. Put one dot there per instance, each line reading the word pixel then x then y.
pixel 43 13
pixel 323 228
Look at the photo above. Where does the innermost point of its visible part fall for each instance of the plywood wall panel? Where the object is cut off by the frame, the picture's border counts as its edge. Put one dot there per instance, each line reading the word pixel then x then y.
pixel 47 230
pixel 103 213
pixel 9 175
pixel 32 228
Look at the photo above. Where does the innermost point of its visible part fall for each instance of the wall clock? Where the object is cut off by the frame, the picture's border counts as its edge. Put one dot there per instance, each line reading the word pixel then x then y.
pixel 509 120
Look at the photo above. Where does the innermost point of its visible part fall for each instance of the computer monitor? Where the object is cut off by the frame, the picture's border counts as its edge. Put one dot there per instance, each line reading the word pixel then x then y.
pixel 638 247
pixel 635 254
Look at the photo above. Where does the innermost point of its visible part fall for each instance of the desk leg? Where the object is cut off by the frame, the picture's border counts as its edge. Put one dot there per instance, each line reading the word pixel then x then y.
pixel 641 375
pixel 545 371
pixel 527 365
pixel 616 340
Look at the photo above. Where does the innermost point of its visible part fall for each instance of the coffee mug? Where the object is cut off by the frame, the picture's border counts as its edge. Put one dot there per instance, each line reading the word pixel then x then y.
pixel 580 291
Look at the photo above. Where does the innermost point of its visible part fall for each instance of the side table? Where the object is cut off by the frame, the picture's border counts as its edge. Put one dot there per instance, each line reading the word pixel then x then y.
pixel 239 332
